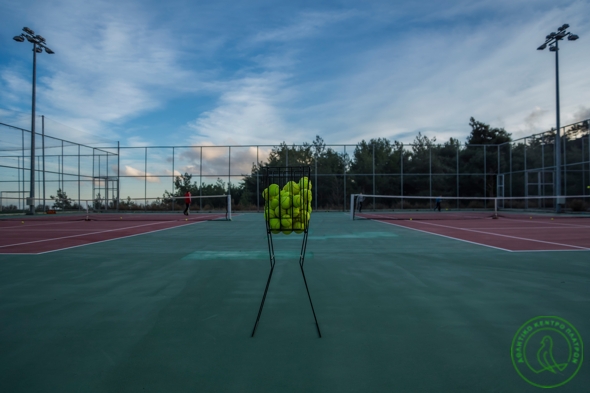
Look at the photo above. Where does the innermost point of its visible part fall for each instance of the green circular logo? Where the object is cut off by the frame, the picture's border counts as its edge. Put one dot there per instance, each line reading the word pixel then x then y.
pixel 547 352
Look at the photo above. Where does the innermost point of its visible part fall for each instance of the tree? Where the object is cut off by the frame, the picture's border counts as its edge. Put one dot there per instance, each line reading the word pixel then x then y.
pixel 61 200
pixel 483 134
pixel 182 184
pixel 479 162
pixel 380 152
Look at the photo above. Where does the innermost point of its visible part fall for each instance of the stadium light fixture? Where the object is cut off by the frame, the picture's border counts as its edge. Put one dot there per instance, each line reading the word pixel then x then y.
pixel 38 45
pixel 553 41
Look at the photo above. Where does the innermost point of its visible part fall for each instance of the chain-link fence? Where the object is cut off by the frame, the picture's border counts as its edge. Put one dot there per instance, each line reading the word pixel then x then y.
pixel 524 167
pixel 61 168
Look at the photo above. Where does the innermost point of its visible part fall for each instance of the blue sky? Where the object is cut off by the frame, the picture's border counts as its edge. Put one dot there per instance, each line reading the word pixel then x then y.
pixel 262 72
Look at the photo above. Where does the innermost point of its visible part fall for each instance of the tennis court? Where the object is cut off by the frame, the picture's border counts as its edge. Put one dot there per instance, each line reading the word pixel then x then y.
pixel 513 232
pixel 42 234
pixel 169 305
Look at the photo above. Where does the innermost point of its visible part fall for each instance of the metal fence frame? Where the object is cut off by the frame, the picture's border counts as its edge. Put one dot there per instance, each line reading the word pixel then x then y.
pixel 107 163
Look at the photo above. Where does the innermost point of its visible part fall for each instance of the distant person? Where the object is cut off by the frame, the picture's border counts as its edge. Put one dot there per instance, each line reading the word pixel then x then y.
pixel 361 199
pixel 438 201
pixel 187 201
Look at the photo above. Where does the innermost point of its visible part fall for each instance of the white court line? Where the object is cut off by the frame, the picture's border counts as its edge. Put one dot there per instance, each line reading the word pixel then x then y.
pixel 117 238
pixel 521 228
pixel 554 223
pixel 448 237
pixel 550 250
pixel 36 225
pixel 86 234
pixel 29 224
pixel 508 236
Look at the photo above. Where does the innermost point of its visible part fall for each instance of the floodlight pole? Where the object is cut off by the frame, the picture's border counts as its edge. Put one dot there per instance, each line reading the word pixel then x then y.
pixel 38 43
pixel 558 132
pixel 553 41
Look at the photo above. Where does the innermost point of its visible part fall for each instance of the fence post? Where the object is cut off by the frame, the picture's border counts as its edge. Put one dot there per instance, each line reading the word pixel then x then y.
pixel 201 180
pixel 402 175
pixel 145 182
pixel 43 155
pixel 430 175
pixel 316 182
pixel 257 181
pixel 374 192
pixel 457 163
pixel 345 164
pixel 485 175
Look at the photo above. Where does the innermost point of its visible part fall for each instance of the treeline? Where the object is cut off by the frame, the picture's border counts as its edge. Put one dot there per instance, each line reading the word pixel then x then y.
pixel 423 168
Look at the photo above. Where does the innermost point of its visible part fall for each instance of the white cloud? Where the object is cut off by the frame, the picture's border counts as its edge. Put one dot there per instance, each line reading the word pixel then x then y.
pixel 248 113
pixel 583 113
pixel 111 64
pixel 306 25
pixel 347 74
pixel 127 170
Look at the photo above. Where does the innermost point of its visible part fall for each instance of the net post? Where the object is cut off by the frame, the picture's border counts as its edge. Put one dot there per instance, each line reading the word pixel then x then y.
pixel 352 206
pixel 496 207
pixel 229 207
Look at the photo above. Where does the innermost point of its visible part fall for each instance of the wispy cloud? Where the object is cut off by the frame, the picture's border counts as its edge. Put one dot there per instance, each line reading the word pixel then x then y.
pixel 247 113
pixel 134 172
pixel 178 73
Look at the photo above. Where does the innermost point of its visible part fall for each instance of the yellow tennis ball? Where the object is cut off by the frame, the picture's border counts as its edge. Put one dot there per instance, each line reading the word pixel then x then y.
pixel 294 187
pixel 274 203
pixel 286 222
pixel 297 200
pixel 305 196
pixel 265 193
pixel 274 223
pixel 304 218
pixel 304 183
pixel 286 202
pixel 287 231
pixel 268 214
pixel 273 190
pixel 294 211
pixel 289 186
pixel 284 213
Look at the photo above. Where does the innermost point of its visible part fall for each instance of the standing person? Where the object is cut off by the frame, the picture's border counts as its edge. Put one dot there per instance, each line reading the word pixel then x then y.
pixel 187 201
pixel 438 201
pixel 361 199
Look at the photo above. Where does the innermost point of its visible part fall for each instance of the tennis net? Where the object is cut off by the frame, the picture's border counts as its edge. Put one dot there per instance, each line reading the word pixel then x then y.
pixel 390 207
pixel 209 207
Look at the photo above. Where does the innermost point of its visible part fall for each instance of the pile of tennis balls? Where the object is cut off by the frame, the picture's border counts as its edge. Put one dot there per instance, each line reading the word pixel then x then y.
pixel 288 210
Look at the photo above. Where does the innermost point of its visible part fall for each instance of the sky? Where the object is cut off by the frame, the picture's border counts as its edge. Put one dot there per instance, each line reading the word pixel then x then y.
pixel 181 72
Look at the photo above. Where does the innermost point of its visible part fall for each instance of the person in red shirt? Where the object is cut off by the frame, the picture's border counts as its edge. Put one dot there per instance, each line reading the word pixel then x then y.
pixel 187 201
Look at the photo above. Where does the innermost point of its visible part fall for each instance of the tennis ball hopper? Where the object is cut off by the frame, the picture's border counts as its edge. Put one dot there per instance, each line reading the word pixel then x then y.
pixel 287 212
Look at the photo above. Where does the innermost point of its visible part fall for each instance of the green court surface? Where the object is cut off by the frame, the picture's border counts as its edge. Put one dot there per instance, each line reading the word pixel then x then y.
pixel 172 311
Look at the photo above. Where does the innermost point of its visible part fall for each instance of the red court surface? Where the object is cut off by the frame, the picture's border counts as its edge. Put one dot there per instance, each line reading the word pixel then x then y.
pixel 509 234
pixel 42 235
